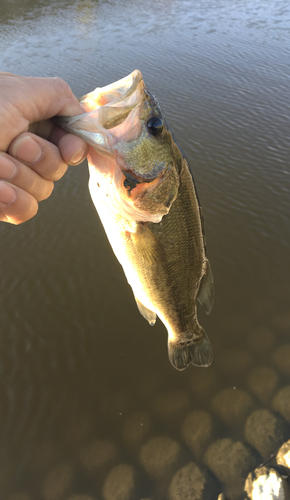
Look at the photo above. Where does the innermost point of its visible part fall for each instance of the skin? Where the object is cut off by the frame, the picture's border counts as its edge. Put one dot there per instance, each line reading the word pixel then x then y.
pixel 33 152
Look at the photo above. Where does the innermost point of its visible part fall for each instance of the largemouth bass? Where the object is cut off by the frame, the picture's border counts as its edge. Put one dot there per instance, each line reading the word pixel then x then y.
pixel 144 192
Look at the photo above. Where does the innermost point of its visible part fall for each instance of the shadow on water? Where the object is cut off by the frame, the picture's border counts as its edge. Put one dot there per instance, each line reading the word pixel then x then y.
pixel 88 397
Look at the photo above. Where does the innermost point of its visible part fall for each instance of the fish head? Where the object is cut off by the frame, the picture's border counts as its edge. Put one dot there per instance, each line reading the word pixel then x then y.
pixel 131 148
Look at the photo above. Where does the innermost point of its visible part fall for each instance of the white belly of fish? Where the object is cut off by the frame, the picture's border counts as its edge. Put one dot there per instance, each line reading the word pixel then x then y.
pixel 100 189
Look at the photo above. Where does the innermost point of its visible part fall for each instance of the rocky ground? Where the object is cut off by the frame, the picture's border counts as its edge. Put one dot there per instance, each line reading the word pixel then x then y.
pixel 238 447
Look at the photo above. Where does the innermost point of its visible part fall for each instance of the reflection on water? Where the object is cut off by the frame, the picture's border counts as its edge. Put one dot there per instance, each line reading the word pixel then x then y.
pixel 88 398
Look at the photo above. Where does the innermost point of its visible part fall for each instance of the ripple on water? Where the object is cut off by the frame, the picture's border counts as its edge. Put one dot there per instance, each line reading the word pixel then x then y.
pixel 80 370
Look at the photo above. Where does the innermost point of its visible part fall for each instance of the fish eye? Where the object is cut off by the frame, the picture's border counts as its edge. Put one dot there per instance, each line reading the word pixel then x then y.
pixel 155 125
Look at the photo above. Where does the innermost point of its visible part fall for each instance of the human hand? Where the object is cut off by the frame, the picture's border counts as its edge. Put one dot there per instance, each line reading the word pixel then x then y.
pixel 30 163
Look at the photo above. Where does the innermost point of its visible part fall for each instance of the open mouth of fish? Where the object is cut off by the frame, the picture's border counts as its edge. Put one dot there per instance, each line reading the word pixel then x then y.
pixel 115 124
pixel 111 114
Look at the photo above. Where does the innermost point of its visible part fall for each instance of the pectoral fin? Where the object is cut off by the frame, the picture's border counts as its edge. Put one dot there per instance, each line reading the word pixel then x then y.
pixel 147 245
pixel 146 313
pixel 206 293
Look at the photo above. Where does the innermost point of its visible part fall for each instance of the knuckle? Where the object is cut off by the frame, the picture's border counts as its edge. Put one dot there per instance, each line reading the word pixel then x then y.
pixel 61 85
pixel 39 187
pixel 59 81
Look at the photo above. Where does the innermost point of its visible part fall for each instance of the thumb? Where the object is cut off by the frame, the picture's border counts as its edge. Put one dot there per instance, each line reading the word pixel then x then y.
pixel 43 98
pixel 24 100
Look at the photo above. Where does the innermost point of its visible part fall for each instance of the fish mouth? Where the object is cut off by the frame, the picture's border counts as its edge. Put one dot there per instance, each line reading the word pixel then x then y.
pixel 112 114
pixel 115 94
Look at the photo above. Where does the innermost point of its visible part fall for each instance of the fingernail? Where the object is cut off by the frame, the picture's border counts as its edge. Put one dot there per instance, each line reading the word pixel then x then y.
pixel 7 193
pixel 27 150
pixel 7 168
pixel 78 156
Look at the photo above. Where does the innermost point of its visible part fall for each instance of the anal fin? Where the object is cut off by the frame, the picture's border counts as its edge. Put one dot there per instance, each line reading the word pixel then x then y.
pixel 206 293
pixel 146 313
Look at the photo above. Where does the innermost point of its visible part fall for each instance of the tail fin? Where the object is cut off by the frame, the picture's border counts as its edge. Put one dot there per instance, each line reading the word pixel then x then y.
pixel 197 352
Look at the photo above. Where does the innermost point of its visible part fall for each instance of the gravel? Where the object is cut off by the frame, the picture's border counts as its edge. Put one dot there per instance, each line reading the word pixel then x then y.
pixel 197 431
pixel 281 402
pixel 266 432
pixel 283 455
pixel 230 462
pixel 266 484
pixel 120 483
pixel 193 483
pixel 262 382
pixel 233 406
pixel 161 456
pixel 98 454
pixel 281 359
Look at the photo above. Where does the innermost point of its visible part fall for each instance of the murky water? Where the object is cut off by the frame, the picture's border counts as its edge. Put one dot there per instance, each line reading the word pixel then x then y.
pixel 86 384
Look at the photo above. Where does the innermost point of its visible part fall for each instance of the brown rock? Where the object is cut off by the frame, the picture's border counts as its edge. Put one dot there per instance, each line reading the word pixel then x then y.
pixel 197 431
pixel 120 483
pixel 281 359
pixel 192 483
pixel 266 484
pixel 160 456
pixel 98 454
pixel 262 382
pixel 281 402
pixel 233 406
pixel 283 455
pixel 231 462
pixel 265 431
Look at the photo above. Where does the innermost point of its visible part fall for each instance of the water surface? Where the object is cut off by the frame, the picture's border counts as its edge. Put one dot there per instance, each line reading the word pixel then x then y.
pixel 77 360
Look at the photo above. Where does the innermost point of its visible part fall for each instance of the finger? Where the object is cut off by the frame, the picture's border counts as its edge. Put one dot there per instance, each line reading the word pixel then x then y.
pixel 24 177
pixel 42 156
pixel 27 99
pixel 42 98
pixel 16 205
pixel 73 149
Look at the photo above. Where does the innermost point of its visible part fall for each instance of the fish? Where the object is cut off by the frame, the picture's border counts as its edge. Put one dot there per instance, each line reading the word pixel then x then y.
pixel 143 189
